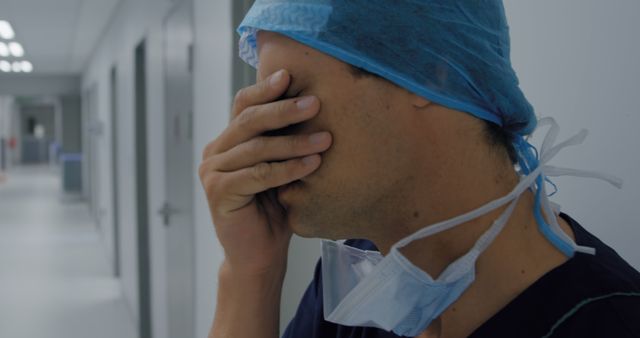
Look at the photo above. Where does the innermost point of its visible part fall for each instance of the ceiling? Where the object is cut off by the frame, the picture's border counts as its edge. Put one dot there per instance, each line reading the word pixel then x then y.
pixel 58 35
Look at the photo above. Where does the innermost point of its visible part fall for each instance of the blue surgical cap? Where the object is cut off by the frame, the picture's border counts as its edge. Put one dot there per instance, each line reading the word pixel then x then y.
pixel 452 52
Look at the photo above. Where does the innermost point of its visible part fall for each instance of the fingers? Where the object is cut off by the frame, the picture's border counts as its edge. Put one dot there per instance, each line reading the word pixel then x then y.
pixel 267 175
pixel 269 149
pixel 256 120
pixel 243 161
pixel 229 192
pixel 264 91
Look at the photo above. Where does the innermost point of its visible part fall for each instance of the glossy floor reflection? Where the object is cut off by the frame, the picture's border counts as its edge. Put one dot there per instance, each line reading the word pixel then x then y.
pixel 55 279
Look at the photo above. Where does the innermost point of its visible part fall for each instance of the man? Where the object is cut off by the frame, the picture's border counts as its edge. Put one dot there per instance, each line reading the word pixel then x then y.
pixel 400 132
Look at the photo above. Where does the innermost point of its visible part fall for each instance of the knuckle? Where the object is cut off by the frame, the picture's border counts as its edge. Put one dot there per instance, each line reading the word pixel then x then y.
pixel 203 171
pixel 208 169
pixel 282 107
pixel 246 119
pixel 218 185
pixel 263 86
pixel 257 146
pixel 262 171
pixel 241 97
pixel 296 142
pixel 210 185
pixel 208 150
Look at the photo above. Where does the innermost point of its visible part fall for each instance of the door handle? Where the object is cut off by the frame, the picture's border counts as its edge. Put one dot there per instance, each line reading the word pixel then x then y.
pixel 166 212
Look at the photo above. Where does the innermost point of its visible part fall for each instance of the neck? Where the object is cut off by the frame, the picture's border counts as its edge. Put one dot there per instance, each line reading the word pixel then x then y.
pixel 518 256
pixel 461 174
pixel 434 253
pixel 455 189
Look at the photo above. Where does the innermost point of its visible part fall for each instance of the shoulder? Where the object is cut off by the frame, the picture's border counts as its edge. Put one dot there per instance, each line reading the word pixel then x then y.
pixel 605 272
pixel 611 315
pixel 610 288
pixel 587 296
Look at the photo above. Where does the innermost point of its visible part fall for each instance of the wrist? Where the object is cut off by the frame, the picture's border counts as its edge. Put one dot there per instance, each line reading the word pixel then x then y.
pixel 248 303
pixel 237 274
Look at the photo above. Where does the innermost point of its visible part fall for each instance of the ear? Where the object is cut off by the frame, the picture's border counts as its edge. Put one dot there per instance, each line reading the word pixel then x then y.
pixel 419 102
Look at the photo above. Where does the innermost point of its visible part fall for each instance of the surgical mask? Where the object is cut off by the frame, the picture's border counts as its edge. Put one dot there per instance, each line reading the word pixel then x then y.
pixel 363 288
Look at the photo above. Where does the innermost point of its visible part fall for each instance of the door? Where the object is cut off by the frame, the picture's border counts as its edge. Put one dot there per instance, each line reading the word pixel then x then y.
pixel 93 129
pixel 178 209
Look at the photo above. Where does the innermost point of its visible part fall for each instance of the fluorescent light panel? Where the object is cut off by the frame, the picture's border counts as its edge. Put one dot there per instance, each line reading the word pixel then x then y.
pixel 5 66
pixel 16 49
pixel 16 67
pixel 27 67
pixel 12 49
pixel 6 31
pixel 23 66
pixel 4 50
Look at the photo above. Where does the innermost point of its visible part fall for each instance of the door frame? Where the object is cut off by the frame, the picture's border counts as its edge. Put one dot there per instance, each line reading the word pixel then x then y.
pixel 142 185
pixel 113 84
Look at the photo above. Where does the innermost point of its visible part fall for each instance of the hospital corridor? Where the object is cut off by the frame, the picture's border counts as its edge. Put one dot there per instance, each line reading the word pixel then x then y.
pixel 106 108
pixel 55 274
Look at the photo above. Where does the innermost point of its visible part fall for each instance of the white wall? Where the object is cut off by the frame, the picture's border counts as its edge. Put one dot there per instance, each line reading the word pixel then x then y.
pixel 133 21
pixel 212 90
pixel 34 84
pixel 579 61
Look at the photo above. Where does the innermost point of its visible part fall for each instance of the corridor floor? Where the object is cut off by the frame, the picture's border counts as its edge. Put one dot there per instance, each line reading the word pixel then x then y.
pixel 55 279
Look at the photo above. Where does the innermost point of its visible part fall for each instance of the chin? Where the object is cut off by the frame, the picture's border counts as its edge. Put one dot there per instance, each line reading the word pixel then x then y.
pixel 312 222
pixel 301 225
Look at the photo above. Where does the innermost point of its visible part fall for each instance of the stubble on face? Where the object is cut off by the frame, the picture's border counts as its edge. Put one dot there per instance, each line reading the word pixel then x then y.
pixel 360 190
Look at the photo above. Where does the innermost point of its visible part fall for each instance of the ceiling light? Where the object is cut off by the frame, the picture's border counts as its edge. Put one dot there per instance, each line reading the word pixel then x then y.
pixel 16 49
pixel 16 67
pixel 27 67
pixel 5 66
pixel 6 31
pixel 4 49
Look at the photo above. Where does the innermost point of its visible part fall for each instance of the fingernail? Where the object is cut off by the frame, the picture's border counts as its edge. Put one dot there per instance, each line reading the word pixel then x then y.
pixel 318 138
pixel 275 78
pixel 305 102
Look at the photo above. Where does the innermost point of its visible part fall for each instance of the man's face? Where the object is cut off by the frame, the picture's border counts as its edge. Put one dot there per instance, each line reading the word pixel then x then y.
pixel 361 185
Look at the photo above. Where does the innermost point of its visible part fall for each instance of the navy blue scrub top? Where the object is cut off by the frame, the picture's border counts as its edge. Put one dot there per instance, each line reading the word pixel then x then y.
pixel 587 296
